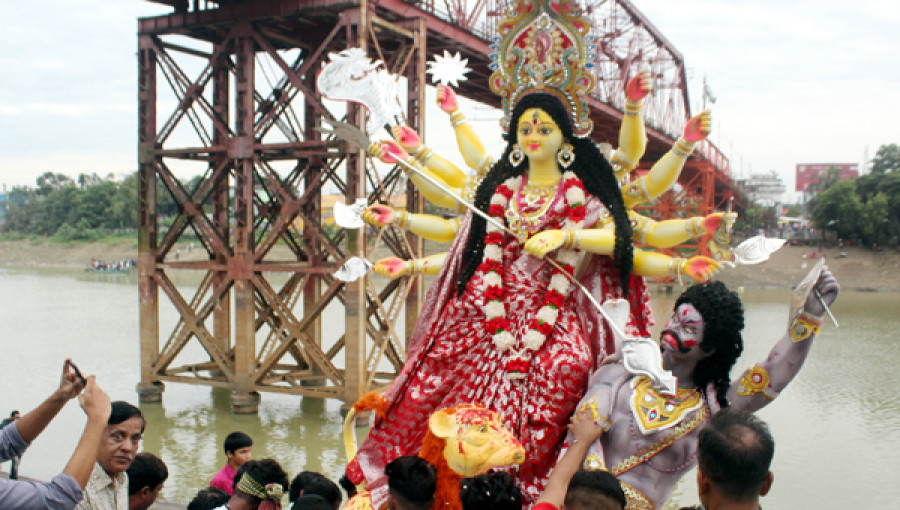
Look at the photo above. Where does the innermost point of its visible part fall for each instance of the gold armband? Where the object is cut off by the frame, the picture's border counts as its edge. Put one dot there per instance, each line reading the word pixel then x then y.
pixel 422 153
pixel 411 161
pixel 417 266
pixel 633 108
pixel 683 148
pixel 805 326
pixel 457 119
pixel 571 239
pixel 694 227
pixel 594 463
pixel 756 380
pixel 403 218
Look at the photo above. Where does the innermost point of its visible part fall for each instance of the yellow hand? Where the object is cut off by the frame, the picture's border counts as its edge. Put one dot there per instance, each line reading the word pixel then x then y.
pixel 700 268
pixel 698 127
pixel 391 267
pixel 544 242
pixel 378 215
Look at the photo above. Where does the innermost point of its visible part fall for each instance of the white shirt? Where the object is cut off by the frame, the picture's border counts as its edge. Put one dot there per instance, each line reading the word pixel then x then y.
pixel 105 493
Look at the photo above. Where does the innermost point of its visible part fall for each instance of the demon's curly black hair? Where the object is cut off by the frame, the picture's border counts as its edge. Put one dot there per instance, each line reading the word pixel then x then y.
pixel 590 166
pixel 723 320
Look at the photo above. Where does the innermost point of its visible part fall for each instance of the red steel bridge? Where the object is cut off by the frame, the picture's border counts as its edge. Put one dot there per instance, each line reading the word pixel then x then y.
pixel 226 92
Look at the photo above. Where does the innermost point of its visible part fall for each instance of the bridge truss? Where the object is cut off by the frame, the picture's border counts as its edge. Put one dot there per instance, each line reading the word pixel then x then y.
pixel 226 92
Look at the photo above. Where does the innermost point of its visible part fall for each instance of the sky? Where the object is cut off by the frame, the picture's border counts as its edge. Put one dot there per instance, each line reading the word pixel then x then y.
pixel 797 81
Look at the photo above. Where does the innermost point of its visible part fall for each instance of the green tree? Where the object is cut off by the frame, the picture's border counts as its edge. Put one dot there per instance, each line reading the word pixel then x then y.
pixel 887 159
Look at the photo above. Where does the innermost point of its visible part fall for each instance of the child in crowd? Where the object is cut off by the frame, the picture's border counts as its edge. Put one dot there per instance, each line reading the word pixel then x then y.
pixel 237 450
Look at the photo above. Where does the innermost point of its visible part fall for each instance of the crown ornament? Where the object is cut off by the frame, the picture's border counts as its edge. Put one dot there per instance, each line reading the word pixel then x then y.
pixel 544 46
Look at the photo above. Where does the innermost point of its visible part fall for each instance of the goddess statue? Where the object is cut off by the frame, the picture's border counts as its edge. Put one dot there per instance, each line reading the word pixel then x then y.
pixel 500 326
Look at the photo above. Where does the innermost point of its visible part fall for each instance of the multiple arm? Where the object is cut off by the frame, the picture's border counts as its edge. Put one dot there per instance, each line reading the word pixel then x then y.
pixel 665 172
pixel 762 383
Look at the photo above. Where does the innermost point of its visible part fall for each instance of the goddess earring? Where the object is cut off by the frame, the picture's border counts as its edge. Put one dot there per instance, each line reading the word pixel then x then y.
pixel 565 156
pixel 516 156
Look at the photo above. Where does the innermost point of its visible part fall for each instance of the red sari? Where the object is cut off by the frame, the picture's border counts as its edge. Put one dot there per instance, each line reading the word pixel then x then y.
pixel 452 359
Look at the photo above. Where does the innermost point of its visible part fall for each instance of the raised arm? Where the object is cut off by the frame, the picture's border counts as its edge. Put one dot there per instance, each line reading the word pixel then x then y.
pixel 583 431
pixel 632 133
pixel 761 384
pixel 665 172
pixel 469 145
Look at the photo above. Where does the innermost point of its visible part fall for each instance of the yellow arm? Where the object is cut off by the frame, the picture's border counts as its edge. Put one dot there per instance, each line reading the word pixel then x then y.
pixel 394 267
pixel 430 191
pixel 665 172
pixel 412 143
pixel 632 140
pixel 663 234
pixel 428 226
pixel 652 264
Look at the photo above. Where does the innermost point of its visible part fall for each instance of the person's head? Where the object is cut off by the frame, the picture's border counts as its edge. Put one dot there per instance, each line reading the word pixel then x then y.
pixel 411 483
pixel 209 499
pixel 121 438
pixel 588 163
pixel 311 502
pixel 491 491
pixel 145 479
pixel 594 490
pixel 13 416
pixel 705 333
pixel 238 447
pixel 261 480
pixel 734 455
pixel 310 482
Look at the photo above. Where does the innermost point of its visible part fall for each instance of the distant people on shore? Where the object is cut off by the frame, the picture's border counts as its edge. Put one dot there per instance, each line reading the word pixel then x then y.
pixel 108 485
pixel 238 448
pixel 66 489
pixel 118 265
pixel 146 476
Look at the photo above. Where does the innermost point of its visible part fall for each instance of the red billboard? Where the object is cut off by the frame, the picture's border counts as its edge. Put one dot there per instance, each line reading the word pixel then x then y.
pixel 808 175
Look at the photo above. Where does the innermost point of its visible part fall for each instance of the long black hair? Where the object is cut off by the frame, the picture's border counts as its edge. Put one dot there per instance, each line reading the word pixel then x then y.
pixel 590 166
pixel 723 320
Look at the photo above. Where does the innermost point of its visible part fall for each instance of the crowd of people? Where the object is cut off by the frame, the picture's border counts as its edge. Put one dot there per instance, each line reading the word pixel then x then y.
pixel 106 472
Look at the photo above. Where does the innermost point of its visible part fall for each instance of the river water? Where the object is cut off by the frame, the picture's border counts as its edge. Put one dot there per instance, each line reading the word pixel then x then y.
pixel 836 427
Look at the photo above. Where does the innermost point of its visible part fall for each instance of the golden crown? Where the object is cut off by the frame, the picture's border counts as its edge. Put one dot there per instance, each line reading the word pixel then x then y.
pixel 544 46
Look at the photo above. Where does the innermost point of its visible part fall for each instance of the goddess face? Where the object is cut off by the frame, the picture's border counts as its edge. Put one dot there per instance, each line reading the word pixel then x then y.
pixel 538 135
pixel 681 338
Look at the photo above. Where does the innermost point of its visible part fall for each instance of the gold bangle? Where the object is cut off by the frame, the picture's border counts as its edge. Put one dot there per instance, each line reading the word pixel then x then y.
pixel 633 108
pixel 422 153
pixel 403 218
pixel 457 119
pixel 694 226
pixel 804 326
pixel 413 267
pixel 683 148
pixel 568 238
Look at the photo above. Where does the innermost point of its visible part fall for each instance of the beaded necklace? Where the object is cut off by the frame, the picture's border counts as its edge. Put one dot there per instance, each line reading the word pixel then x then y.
pixel 541 325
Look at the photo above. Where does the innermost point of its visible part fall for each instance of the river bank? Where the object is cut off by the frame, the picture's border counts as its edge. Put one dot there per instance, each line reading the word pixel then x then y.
pixel 862 269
